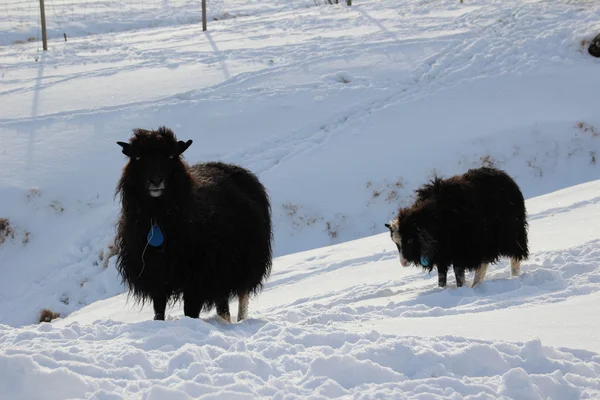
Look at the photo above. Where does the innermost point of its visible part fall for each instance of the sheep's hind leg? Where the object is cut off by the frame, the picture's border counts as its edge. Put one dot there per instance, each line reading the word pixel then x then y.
pixel 243 298
pixel 515 267
pixel 159 302
pixel 223 309
pixel 459 273
pixel 442 276
pixel 480 274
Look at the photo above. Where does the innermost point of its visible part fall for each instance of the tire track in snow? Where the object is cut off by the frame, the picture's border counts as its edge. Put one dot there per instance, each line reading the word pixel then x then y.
pixel 156 58
pixel 560 210
pixel 489 52
pixel 298 277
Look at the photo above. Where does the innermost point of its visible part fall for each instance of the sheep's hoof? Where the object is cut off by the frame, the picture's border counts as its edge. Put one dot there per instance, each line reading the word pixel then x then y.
pixel 159 317
pixel 226 317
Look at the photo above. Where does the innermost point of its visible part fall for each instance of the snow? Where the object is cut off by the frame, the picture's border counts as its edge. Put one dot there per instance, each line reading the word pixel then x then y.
pixel 342 112
pixel 78 18
pixel 260 359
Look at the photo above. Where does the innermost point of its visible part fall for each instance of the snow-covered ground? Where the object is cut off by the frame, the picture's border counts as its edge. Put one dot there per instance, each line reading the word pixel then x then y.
pixel 346 321
pixel 342 112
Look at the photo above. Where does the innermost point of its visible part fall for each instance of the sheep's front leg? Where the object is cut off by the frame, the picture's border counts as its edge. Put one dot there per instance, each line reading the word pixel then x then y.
pixel 480 274
pixel 223 309
pixel 159 302
pixel 191 304
pixel 515 267
pixel 243 298
pixel 442 275
pixel 459 273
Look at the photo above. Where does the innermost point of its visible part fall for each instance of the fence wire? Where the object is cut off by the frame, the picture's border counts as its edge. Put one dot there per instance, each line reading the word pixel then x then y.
pixel 21 19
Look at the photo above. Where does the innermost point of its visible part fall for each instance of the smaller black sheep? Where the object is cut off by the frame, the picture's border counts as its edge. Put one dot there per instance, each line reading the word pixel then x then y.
pixel 467 221
pixel 201 233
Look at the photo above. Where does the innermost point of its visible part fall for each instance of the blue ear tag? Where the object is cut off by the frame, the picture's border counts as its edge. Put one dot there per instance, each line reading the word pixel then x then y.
pixel 155 236
pixel 424 261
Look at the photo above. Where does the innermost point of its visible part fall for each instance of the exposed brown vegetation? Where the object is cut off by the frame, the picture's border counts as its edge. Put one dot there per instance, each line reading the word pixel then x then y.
pixel 538 170
pixel 587 128
pixel 47 315
pixel 57 206
pixel 299 217
pixel 6 230
pixel 487 161
pixel 29 40
pixel 331 231
pixel 391 196
pixel 290 209
pixel 33 192
pixel 387 190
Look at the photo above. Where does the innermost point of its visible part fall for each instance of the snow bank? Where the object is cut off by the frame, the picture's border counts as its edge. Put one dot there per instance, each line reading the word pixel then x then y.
pixel 185 359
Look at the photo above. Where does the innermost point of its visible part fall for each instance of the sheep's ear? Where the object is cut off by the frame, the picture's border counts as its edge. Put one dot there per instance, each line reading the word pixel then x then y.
pixel 388 226
pixel 183 146
pixel 126 148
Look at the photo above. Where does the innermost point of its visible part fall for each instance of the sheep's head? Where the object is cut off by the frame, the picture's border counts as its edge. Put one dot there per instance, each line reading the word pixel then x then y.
pixel 154 159
pixel 413 235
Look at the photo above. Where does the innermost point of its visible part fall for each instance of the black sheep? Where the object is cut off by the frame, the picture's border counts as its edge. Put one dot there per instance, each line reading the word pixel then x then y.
pixel 201 234
pixel 467 221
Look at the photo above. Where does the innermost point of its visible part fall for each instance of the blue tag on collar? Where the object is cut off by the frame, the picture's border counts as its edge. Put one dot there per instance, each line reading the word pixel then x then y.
pixel 424 261
pixel 155 236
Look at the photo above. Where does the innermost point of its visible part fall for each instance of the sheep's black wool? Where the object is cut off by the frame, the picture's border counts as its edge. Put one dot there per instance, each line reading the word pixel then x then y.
pixel 466 221
pixel 215 222
pixel 594 48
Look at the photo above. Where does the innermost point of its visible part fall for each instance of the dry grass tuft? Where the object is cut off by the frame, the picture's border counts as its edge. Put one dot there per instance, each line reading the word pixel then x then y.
pixel 47 315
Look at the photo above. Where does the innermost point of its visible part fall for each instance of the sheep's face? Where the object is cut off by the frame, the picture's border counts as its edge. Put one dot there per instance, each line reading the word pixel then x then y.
pixel 154 158
pixel 415 244
pixel 394 228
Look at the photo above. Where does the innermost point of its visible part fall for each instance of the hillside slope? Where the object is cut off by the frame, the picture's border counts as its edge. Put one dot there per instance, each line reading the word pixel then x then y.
pixel 342 111
pixel 347 321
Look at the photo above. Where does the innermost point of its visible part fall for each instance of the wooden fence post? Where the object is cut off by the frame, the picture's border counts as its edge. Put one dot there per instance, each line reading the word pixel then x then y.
pixel 203 15
pixel 43 17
